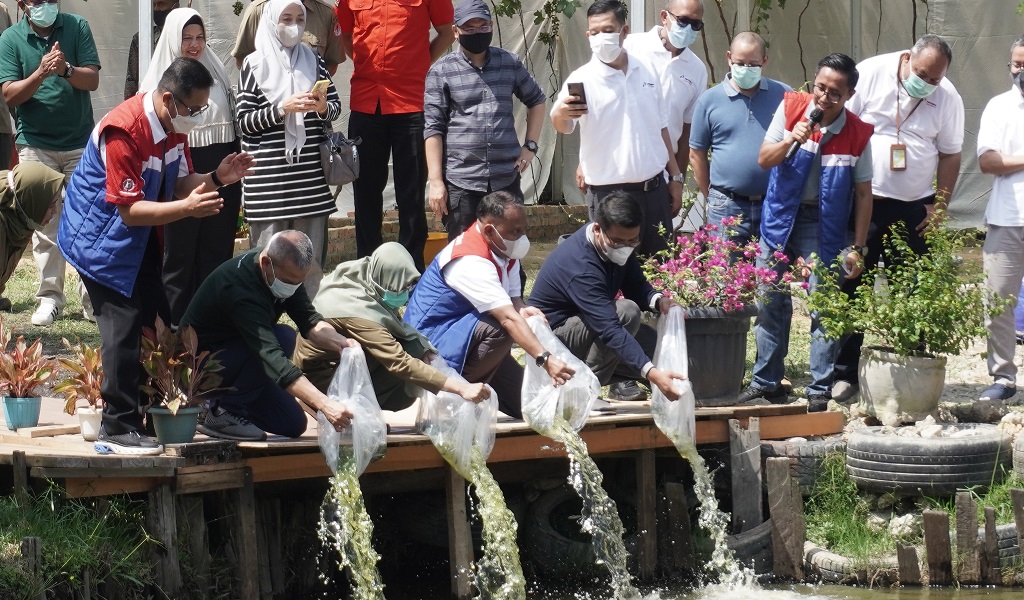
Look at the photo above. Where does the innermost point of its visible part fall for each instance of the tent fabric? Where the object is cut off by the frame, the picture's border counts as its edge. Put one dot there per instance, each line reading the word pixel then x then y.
pixel 979 32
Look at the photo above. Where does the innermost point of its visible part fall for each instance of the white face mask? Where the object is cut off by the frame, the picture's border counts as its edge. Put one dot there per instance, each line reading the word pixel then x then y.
pixel 619 256
pixel 43 15
pixel 279 288
pixel 290 35
pixel 514 249
pixel 605 46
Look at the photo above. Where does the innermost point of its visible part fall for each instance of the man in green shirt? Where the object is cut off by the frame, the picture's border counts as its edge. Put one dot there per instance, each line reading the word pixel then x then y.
pixel 235 312
pixel 48 67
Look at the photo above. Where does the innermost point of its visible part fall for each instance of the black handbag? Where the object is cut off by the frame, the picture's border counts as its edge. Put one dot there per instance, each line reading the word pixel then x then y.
pixel 339 157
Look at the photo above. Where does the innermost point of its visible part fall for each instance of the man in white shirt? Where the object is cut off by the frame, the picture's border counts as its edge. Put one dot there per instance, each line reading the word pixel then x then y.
pixel 469 303
pixel 1001 153
pixel 624 136
pixel 919 129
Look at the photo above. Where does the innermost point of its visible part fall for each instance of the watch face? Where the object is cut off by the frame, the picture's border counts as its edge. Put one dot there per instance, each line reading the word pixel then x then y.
pixel 531 146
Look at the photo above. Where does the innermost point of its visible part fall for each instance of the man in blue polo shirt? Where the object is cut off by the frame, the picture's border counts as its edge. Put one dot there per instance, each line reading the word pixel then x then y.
pixel 48 67
pixel 729 123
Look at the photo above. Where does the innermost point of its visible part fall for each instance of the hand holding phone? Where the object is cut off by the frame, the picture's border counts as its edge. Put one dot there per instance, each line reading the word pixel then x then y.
pixel 320 87
pixel 576 89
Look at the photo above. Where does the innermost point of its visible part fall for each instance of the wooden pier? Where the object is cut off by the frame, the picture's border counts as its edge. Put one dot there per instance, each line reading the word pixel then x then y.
pixel 237 470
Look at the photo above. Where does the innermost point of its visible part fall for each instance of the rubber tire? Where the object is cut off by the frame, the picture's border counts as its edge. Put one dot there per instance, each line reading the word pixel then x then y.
pixel 556 554
pixel 927 466
pixel 753 548
pixel 804 458
pixel 822 566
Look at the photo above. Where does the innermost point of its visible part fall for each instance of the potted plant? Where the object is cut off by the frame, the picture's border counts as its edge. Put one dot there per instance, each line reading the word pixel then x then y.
pixel 179 376
pixel 83 385
pixel 718 284
pixel 23 368
pixel 918 309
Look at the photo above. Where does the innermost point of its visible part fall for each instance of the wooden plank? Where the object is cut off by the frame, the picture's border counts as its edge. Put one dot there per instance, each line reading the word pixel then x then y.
pixel 195 480
pixel 1017 500
pixel 937 547
pixel 679 530
pixel 263 556
pixel 646 515
pixel 272 514
pixel 49 431
pixel 193 533
pixel 100 473
pixel 967 539
pixel 245 536
pixel 110 486
pixel 788 524
pixel 161 525
pixel 32 559
pixel 745 458
pixel 460 539
pixel 21 491
pixel 910 567
pixel 990 565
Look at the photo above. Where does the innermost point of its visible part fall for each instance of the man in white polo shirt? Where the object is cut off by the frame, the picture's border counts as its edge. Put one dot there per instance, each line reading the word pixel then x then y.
pixel 1001 153
pixel 624 137
pixel 919 129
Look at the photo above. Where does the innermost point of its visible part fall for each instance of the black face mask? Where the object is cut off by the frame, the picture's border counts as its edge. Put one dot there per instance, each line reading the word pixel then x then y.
pixel 1018 80
pixel 476 43
pixel 160 17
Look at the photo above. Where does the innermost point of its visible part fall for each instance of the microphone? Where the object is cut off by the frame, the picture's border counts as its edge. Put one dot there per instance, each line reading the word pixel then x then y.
pixel 812 119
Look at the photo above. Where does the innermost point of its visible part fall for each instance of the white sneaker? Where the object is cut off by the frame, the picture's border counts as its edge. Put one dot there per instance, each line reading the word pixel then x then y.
pixel 87 314
pixel 45 313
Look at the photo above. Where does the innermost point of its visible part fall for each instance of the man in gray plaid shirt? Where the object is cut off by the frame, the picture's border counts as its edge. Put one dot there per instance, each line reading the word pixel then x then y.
pixel 471 144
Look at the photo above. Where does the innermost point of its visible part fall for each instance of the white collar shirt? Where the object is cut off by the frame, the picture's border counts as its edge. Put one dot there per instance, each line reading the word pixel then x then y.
pixel 683 78
pixel 1002 130
pixel 620 136
pixel 936 125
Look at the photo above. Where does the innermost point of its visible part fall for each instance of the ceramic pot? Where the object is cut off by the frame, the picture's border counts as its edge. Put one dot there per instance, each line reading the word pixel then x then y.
pixel 175 429
pixel 89 419
pixel 900 389
pixel 716 344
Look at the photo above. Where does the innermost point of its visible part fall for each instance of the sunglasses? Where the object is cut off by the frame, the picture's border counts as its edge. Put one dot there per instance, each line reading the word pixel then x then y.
pixel 695 24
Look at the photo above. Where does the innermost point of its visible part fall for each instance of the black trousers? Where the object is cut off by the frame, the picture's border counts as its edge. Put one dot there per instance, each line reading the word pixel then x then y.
pixel 400 137
pixel 884 213
pixel 194 247
pixel 462 205
pixel 120 321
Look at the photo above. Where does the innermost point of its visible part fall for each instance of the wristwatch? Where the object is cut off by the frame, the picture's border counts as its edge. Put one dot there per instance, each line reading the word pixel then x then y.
pixel 680 178
pixel 542 358
pixel 862 250
pixel 68 70
pixel 531 146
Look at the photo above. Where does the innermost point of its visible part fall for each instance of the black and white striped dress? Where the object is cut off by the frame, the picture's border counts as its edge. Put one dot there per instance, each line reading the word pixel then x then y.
pixel 278 190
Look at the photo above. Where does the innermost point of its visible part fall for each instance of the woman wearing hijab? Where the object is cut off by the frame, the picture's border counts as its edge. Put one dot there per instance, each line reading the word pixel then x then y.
pixel 28 195
pixel 282 123
pixel 360 299
pixel 194 247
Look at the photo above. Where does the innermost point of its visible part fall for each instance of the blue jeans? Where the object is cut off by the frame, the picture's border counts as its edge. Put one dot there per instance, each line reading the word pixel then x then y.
pixel 721 206
pixel 775 314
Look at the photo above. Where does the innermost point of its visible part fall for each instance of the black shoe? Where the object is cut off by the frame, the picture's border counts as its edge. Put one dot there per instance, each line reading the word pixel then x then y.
pixel 777 395
pixel 627 391
pixel 818 402
pixel 5 305
pixel 126 443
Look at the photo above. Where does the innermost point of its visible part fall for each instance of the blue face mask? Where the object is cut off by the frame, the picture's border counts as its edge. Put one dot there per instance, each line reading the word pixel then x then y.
pixel 745 77
pixel 396 300
pixel 917 87
pixel 43 15
pixel 681 37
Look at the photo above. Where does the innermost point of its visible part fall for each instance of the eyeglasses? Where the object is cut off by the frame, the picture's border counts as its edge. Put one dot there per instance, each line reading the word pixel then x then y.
pixel 617 243
pixel 1014 66
pixel 40 2
pixel 191 111
pixel 695 24
pixel 832 96
pixel 474 30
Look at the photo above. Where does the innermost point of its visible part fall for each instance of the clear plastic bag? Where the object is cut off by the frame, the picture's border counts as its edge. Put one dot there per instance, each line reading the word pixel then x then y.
pixel 456 425
pixel 674 418
pixel 366 438
pixel 542 400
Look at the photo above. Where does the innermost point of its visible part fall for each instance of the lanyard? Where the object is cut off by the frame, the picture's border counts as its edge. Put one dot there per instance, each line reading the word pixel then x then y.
pixel 899 85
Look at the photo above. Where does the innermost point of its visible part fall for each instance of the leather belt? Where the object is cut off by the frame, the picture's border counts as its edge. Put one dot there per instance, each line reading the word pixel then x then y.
pixel 734 196
pixel 643 186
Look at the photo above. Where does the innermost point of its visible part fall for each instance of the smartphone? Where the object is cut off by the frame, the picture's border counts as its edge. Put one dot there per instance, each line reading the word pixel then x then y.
pixel 576 89
pixel 320 87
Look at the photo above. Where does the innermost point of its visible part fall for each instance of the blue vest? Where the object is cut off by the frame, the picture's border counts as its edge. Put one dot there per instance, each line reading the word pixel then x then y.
pixel 835 195
pixel 92 235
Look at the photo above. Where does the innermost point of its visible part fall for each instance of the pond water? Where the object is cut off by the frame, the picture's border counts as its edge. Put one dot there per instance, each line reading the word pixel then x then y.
pixel 806 592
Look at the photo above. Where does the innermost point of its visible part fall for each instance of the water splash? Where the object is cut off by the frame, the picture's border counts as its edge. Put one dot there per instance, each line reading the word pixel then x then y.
pixel 346 528
pixel 600 517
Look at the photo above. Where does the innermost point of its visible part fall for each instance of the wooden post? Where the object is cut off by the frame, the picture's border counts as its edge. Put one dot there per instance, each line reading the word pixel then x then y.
pixel 646 515
pixel 1017 498
pixel 679 536
pixel 262 527
pixel 32 556
pixel 244 499
pixel 990 571
pixel 910 567
pixel 745 454
pixel 937 547
pixel 967 539
pixel 20 478
pixel 460 539
pixel 192 531
pixel 162 524
pixel 788 525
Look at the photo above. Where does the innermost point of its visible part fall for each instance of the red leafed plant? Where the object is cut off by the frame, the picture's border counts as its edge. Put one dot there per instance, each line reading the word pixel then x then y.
pixel 86 376
pixel 179 374
pixel 23 368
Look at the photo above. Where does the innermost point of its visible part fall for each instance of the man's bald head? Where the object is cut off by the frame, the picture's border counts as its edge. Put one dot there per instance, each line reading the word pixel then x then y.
pixel 747 39
pixel 675 6
pixel 292 247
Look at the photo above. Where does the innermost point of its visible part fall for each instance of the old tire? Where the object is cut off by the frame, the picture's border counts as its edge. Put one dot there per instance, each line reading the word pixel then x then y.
pixel 882 462
pixel 823 566
pixel 753 548
pixel 804 458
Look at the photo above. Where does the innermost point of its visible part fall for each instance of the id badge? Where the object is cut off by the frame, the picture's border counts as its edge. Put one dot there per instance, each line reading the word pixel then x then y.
pixel 898 157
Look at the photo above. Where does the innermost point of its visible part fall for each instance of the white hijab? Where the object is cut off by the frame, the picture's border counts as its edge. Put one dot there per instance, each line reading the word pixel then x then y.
pixel 168 48
pixel 282 72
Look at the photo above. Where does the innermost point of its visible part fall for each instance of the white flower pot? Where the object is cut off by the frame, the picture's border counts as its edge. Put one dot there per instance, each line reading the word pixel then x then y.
pixel 89 418
pixel 900 389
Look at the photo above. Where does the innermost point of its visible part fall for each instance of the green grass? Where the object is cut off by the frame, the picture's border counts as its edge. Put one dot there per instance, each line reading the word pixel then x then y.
pixel 997 497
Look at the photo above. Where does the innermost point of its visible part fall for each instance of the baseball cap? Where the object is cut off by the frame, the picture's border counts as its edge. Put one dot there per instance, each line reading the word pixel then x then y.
pixel 468 10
